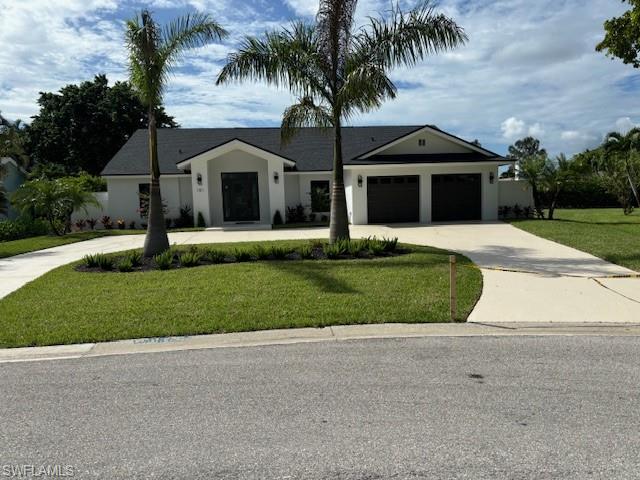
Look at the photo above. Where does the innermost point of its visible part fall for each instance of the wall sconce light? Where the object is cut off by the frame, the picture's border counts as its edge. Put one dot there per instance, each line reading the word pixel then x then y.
pixel 199 178
pixel 360 181
pixel 492 177
pixel 276 177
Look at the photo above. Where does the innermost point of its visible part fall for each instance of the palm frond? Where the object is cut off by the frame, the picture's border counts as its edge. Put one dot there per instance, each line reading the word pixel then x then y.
pixel 186 32
pixel 366 87
pixel 287 58
pixel 305 113
pixel 334 23
pixel 405 38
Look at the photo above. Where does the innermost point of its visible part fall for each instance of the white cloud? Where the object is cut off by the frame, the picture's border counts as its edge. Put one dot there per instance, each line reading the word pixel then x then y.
pixel 536 130
pixel 571 135
pixel 624 124
pixel 512 128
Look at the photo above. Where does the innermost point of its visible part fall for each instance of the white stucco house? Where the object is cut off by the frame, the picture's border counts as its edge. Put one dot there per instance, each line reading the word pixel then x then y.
pixel 240 176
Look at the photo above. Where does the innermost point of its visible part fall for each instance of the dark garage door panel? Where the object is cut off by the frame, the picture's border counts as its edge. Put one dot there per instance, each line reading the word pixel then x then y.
pixel 393 199
pixel 456 197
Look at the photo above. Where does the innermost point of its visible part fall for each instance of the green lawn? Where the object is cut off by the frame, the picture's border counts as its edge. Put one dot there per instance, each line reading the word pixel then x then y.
pixel 25 245
pixel 603 232
pixel 67 306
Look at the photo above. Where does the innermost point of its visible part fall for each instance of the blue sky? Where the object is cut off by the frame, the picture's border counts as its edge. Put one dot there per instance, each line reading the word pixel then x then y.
pixel 529 67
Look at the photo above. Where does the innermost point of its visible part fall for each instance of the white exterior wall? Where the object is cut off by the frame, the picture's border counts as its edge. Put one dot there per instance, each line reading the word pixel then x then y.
pixel 207 197
pixel 357 196
pixel 124 201
pixel 304 188
pixel 512 192
pixel 433 144
pixel 94 211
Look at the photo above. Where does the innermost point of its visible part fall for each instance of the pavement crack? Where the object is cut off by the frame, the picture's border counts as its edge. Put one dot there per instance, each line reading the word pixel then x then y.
pixel 614 291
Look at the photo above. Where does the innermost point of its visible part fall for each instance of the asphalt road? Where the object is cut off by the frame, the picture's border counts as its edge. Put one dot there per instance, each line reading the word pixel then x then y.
pixel 532 407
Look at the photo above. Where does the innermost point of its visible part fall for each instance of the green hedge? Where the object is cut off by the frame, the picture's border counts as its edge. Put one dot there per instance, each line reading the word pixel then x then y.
pixel 22 228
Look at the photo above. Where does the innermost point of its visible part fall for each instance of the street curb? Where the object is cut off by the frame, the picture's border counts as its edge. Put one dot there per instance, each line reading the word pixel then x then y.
pixel 311 335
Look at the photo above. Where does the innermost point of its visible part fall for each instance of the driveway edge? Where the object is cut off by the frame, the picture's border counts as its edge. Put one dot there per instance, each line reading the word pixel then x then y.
pixel 311 335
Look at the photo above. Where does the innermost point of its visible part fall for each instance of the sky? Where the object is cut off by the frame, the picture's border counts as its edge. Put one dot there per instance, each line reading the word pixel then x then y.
pixel 529 68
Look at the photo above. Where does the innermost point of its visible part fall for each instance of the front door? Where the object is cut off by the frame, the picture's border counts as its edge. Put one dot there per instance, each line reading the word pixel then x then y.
pixel 240 197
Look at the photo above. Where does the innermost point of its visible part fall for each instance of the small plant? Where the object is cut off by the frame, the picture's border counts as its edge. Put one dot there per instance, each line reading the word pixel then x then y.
pixel 375 246
pixel 517 211
pixel 106 222
pixel 80 224
pixel 316 244
pixel 98 260
pixel 324 219
pixel 306 251
pixel 296 214
pixel 242 255
pixel 92 223
pixel 135 257
pixel 125 265
pixel 185 220
pixel 132 225
pixel 279 253
pixel 260 252
pixel 527 212
pixel 190 258
pixel 121 224
pixel 332 251
pixel 506 211
pixel 201 223
pixel 277 218
pixel 390 244
pixel 164 260
pixel 215 256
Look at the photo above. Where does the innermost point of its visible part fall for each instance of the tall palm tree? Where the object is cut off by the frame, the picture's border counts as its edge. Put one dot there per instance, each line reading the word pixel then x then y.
pixel 153 53
pixel 627 146
pixel 337 70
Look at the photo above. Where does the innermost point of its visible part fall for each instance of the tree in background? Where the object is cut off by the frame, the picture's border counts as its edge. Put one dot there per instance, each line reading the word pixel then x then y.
pixel 53 200
pixel 622 151
pixel 622 35
pixel 523 150
pixel 81 127
pixel 12 145
pixel 531 169
pixel 153 54
pixel 555 177
pixel 338 70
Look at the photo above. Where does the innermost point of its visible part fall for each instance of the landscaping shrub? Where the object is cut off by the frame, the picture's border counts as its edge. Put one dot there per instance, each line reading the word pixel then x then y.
pixel 390 244
pixel 135 257
pixel 296 214
pixel 22 228
pixel 201 223
pixel 260 252
pixel 125 265
pixel 132 225
pixel 214 255
pixel 242 255
pixel 279 253
pixel 277 218
pixel 306 251
pixel 168 222
pixel 92 223
pixel 106 222
pixel 185 220
pixel 98 260
pixel 164 260
pixel 121 224
pixel 80 224
pixel 190 258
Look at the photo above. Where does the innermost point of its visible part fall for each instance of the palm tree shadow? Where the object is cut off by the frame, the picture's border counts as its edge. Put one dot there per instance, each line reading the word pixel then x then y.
pixel 317 274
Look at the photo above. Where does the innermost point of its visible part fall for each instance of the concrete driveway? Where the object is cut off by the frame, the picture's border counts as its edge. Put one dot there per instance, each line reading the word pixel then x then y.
pixel 526 278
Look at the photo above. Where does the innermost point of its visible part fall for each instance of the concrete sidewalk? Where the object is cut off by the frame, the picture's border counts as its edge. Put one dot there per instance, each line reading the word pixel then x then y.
pixel 310 335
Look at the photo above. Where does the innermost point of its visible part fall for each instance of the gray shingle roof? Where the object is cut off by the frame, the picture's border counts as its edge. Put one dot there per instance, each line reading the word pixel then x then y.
pixel 311 148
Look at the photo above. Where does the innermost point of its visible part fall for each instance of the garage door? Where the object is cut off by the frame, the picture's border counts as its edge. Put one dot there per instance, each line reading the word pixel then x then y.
pixel 393 199
pixel 456 197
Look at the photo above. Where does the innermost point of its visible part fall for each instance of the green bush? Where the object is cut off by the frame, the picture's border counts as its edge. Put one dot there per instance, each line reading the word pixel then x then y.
pixel 242 255
pixel 164 260
pixel 390 244
pixel 279 253
pixel 260 252
pixel 98 260
pixel 306 251
pixel 190 259
pixel 125 265
pixel 214 255
pixel 277 218
pixel 22 228
pixel 134 257
pixel 200 222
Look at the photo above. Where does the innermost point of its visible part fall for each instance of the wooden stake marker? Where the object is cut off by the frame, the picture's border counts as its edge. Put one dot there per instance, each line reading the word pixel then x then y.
pixel 452 285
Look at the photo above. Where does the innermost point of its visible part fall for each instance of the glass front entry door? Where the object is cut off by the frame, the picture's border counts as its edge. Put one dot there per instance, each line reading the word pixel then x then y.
pixel 240 197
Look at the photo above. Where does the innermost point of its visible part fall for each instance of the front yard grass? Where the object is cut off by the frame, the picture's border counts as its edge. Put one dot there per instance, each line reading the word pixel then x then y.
pixel 604 232
pixel 66 306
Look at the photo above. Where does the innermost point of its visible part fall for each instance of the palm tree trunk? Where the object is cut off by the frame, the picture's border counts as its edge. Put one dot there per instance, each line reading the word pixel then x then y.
pixel 339 222
pixel 631 182
pixel 156 240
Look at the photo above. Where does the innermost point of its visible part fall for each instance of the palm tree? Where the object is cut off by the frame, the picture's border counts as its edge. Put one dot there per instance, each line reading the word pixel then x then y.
pixel 627 147
pixel 337 70
pixel 153 53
